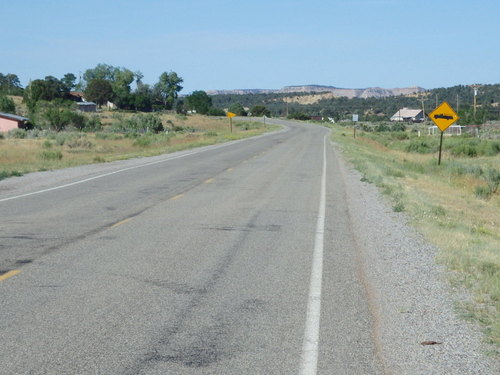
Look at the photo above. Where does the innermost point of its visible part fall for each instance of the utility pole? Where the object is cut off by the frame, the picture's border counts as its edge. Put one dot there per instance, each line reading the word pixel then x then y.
pixel 423 106
pixel 475 87
pixel 457 104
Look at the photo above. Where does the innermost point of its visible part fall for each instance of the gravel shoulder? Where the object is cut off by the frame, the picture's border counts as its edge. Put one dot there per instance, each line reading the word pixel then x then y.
pixel 410 299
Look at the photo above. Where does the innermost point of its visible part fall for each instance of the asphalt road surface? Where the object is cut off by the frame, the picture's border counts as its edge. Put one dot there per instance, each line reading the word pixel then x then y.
pixel 231 259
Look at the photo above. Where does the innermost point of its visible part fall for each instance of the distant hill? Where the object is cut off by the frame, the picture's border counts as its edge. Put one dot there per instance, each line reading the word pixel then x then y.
pixel 370 92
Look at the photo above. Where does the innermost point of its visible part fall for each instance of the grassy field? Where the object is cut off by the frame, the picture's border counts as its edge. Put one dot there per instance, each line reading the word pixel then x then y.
pixel 23 152
pixel 455 205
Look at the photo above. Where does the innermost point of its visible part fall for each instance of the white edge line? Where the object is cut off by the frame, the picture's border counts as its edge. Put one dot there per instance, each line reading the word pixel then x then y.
pixel 130 168
pixel 309 363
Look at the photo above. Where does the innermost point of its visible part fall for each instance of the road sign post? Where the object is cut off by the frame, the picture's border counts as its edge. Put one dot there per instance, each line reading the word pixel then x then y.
pixel 231 115
pixel 355 120
pixel 443 116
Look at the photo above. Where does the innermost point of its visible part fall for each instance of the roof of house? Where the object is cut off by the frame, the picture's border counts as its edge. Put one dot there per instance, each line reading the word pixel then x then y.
pixel 407 113
pixel 13 117
pixel 76 93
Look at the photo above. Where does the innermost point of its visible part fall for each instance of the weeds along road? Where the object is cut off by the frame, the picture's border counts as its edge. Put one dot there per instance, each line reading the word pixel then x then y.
pixel 218 260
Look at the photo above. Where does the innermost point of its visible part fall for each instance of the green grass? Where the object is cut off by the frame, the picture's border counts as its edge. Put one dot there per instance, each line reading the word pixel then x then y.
pixel 456 205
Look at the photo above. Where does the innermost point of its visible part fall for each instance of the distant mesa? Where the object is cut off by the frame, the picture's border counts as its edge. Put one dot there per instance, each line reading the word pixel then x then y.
pixel 370 92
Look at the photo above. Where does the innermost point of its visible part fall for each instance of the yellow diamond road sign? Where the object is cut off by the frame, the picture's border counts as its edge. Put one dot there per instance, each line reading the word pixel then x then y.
pixel 231 114
pixel 443 116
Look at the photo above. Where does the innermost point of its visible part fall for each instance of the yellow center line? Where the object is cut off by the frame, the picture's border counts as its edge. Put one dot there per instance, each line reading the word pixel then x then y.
pixel 121 222
pixel 229 169
pixel 6 275
pixel 209 181
pixel 178 196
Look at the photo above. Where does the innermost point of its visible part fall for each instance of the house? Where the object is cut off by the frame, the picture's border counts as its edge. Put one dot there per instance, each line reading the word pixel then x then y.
pixel 9 122
pixel 87 106
pixel 76 96
pixel 409 115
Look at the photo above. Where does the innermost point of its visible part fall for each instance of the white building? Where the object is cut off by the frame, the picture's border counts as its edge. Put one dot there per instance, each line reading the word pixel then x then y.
pixel 409 115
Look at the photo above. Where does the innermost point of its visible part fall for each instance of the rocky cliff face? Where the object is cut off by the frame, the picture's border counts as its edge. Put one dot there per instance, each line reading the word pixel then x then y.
pixel 349 93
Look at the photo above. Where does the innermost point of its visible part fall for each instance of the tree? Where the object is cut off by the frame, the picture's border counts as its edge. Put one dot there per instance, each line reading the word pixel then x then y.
pixel 101 71
pixel 58 118
pixel 10 84
pixel 7 105
pixel 99 91
pixel 199 101
pixel 238 109
pixel 167 88
pixel 68 82
pixel 259 111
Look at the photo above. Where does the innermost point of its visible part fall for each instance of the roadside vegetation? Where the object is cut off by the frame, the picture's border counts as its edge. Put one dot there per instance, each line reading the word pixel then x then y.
pixel 133 119
pixel 455 205
pixel 112 135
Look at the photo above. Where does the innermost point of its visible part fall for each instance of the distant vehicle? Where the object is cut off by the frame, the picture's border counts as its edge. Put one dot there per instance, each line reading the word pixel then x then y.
pixel 446 117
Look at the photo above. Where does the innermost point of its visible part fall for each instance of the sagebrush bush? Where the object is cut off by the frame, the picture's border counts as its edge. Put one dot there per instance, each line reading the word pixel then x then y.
pixel 420 146
pixel 17 133
pixel 51 155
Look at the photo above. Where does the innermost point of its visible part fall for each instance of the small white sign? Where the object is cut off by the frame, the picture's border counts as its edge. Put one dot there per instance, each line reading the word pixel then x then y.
pixel 355 118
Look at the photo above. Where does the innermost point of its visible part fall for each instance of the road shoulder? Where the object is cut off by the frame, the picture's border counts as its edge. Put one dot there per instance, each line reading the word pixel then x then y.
pixel 416 327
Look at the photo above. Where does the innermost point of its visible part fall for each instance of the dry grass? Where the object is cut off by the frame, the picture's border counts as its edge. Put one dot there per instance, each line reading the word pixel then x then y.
pixel 442 204
pixel 66 149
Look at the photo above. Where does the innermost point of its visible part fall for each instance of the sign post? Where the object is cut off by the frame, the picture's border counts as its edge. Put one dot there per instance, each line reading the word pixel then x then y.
pixel 355 120
pixel 231 115
pixel 443 116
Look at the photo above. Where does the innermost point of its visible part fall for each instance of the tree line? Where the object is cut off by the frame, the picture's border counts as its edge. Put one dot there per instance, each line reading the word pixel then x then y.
pixel 374 109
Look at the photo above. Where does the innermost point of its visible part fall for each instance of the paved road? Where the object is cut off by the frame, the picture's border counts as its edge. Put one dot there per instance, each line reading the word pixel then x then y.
pixel 214 261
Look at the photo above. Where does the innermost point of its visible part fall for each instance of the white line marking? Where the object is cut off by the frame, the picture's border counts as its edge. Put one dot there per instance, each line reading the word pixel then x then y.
pixel 130 168
pixel 310 345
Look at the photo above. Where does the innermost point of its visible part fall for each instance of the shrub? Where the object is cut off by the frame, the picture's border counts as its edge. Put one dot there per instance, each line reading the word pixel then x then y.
pixel 492 177
pixel 93 123
pixel 143 141
pixel 6 174
pixel 51 155
pixel 464 149
pixel 399 207
pixel 298 116
pixel 17 133
pixel 7 104
pixel 80 142
pixel 419 146
pixel 482 192
pixel 216 112
pixel 140 123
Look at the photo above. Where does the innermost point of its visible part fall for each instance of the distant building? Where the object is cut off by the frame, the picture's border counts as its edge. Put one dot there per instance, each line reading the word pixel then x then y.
pixel 76 96
pixel 9 122
pixel 408 115
pixel 87 106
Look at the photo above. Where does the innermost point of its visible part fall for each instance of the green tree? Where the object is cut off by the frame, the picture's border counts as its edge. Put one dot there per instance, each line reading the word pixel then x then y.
pixel 238 109
pixel 199 101
pixel 101 71
pixel 58 118
pixel 7 105
pixel 142 102
pixel 68 82
pixel 122 80
pixel 99 91
pixel 168 87
pixel 10 84
pixel 259 111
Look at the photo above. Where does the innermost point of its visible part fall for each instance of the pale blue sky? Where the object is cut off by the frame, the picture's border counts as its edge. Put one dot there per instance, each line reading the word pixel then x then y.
pixel 230 44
